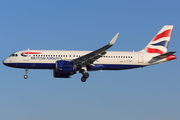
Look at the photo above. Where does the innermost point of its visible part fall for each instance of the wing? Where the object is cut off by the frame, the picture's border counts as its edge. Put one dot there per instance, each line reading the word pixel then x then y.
pixel 89 58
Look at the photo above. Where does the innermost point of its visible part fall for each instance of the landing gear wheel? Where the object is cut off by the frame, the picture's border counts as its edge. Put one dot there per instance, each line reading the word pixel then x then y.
pixel 83 79
pixel 86 75
pixel 25 76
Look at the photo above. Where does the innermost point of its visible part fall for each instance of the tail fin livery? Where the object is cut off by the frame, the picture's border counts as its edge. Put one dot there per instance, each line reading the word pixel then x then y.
pixel 159 43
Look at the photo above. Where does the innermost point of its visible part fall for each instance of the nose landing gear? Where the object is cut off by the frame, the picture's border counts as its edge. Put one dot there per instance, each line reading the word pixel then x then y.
pixel 25 76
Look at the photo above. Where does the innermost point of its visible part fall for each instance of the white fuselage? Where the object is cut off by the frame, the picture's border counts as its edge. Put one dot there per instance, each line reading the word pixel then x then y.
pixel 46 59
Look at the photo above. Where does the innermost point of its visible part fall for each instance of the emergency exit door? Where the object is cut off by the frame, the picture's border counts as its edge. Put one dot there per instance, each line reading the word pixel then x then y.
pixel 140 57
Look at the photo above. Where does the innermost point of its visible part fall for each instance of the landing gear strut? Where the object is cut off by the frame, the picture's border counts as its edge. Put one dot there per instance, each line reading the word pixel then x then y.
pixel 25 76
pixel 85 75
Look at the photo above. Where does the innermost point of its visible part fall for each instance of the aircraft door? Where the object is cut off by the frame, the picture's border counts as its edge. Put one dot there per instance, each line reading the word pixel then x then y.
pixel 140 58
pixel 26 57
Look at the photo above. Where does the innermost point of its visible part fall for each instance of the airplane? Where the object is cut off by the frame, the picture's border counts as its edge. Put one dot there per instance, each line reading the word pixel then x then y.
pixel 67 63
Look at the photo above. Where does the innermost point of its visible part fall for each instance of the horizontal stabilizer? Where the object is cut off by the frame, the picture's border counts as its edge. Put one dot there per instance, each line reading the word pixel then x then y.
pixel 164 55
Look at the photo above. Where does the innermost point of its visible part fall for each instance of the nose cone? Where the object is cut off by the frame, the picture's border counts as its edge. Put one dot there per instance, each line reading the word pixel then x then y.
pixel 5 61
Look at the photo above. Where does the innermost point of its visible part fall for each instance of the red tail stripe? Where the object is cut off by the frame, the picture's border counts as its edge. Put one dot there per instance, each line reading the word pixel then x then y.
pixel 151 50
pixel 166 33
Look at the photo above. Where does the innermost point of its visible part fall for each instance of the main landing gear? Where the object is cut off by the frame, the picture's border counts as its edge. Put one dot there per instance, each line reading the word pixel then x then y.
pixel 25 76
pixel 84 77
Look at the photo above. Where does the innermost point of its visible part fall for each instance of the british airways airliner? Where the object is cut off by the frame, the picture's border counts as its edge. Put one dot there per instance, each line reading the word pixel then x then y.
pixel 67 63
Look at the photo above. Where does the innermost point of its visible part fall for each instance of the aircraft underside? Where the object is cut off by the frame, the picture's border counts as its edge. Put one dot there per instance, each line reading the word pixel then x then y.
pixel 67 74
pixel 53 66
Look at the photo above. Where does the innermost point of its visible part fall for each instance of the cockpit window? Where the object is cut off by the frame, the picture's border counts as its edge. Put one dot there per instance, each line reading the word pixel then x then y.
pixel 13 55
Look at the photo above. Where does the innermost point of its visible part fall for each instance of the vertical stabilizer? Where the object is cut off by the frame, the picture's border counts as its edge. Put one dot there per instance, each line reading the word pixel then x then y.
pixel 159 43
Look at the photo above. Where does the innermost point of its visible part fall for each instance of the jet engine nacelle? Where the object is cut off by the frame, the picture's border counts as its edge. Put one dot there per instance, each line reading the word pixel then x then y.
pixel 61 74
pixel 65 66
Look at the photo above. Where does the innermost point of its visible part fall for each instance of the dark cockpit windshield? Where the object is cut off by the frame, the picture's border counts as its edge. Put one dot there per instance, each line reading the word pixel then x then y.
pixel 13 55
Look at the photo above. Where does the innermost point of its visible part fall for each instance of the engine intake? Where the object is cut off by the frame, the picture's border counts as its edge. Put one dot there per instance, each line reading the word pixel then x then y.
pixel 65 66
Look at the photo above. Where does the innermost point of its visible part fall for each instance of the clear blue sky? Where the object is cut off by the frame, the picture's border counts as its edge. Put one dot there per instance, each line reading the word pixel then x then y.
pixel 150 93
